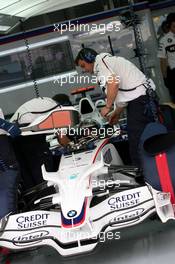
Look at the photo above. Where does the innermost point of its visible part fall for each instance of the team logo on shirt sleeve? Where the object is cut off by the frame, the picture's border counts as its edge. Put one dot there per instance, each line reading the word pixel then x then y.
pixel 170 48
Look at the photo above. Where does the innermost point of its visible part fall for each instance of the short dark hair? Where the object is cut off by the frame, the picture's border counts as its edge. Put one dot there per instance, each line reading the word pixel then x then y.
pixel 170 19
pixel 62 99
pixel 87 55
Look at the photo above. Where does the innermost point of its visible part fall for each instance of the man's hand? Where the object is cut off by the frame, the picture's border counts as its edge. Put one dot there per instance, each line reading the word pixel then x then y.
pixel 104 111
pixel 63 140
pixel 113 118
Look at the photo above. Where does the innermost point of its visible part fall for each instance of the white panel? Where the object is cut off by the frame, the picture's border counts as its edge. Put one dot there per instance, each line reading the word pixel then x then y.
pixel 27 8
pixel 65 4
pixel 27 5
pixel 6 3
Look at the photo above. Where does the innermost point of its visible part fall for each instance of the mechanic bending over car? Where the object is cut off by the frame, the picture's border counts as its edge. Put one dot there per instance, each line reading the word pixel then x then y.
pixel 33 151
pixel 126 86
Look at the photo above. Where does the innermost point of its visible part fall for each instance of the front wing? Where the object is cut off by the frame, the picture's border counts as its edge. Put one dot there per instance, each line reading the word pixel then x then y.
pixel 123 209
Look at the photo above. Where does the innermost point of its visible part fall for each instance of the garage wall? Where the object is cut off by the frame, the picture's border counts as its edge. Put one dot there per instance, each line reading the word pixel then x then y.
pixel 123 44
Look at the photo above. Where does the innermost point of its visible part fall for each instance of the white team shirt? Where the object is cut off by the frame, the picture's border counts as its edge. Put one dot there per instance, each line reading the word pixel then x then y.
pixel 128 75
pixel 167 49
pixel 24 113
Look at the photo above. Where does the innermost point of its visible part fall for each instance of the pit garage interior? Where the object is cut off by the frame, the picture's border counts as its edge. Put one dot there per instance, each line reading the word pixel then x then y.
pixel 39 41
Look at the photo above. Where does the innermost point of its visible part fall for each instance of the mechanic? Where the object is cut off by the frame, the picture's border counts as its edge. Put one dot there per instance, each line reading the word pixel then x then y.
pixel 9 169
pixel 126 86
pixel 32 151
pixel 166 53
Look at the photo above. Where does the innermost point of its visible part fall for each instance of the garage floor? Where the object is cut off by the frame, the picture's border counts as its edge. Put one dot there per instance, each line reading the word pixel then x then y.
pixel 150 242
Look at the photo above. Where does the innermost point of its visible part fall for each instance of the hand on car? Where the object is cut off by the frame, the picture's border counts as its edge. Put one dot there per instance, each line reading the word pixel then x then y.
pixel 113 118
pixel 104 111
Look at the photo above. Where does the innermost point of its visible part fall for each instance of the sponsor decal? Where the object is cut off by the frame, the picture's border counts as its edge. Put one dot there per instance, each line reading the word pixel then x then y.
pixel 124 201
pixel 170 48
pixel 129 216
pixel 26 238
pixel 31 221
pixel 72 213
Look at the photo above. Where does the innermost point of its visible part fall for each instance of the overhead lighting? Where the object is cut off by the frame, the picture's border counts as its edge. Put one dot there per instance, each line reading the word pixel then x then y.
pixel 4 28
pixel 34 45
pixel 32 6
pixel 23 85
pixel 8 4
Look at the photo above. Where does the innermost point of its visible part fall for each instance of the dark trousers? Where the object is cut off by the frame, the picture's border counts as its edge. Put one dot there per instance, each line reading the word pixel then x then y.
pixel 32 152
pixel 7 154
pixel 170 83
pixel 138 116
pixel 9 173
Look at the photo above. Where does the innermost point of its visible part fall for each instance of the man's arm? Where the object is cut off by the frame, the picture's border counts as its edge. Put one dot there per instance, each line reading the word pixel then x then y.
pixel 162 55
pixel 163 66
pixel 112 90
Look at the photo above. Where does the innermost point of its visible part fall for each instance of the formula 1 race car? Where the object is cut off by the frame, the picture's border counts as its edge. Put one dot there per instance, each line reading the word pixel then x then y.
pixel 94 192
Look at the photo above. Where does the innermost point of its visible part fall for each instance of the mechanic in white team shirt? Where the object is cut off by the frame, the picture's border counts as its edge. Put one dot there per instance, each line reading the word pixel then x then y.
pixel 166 53
pixel 126 86
pixel 31 109
pixel 32 151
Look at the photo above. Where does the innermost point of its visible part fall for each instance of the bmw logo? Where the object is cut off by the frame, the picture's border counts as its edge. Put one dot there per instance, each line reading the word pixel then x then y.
pixel 72 213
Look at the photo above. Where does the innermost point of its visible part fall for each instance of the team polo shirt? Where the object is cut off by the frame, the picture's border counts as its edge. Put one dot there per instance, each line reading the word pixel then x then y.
pixel 129 76
pixel 167 49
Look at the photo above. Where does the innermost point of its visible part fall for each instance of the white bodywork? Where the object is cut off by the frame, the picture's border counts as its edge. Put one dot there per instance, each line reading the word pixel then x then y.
pixel 75 178
pixel 78 224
